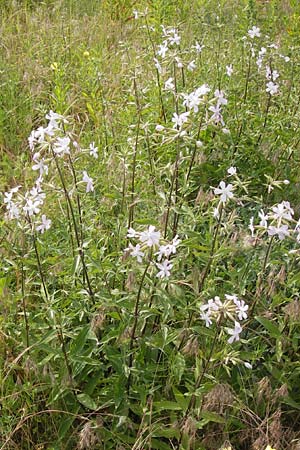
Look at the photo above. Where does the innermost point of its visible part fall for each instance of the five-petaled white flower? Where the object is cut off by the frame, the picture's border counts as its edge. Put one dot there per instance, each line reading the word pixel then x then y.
pixel 224 191
pixel 62 146
pixel 165 268
pixel 136 252
pixel 45 225
pixel 272 88
pixel 254 32
pixel 231 171
pixel 180 119
pixel 282 231
pixel 32 207
pixel 150 237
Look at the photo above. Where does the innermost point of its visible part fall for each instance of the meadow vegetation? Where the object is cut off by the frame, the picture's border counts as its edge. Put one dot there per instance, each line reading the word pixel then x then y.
pixel 150 224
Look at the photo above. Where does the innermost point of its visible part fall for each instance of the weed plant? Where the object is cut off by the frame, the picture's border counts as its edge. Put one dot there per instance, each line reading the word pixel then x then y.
pixel 150 225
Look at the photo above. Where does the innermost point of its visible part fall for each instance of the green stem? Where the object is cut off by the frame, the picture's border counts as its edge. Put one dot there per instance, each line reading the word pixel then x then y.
pixel 134 327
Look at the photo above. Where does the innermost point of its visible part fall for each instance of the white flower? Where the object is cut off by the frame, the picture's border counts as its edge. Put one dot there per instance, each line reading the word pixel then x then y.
pixel 89 182
pixel 13 211
pixel 234 332
pixel 45 225
pixel 193 100
pixel 159 127
pixel 135 14
pixel 169 85
pixel 179 62
pixel 150 237
pixel 219 95
pixel 32 140
pixel 54 119
pixel 62 146
pixel 263 219
pixel 254 32
pixel 251 226
pixel 281 231
pixel 247 365
pixel 191 66
pixel 32 207
pixel 93 150
pixel 37 195
pixel 282 211
pixel 163 49
pixel 217 116
pixel 136 252
pixel 272 88
pixel 231 171
pixel 198 47
pixel 206 316
pixel 165 268
pixel 229 70
pixel 175 39
pixel 224 191
pixel 41 166
pixel 216 213
pixel 199 144
pixel 131 233
pixel 242 309
pixel 180 119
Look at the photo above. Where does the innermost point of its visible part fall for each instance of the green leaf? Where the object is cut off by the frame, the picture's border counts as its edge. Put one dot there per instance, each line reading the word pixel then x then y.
pixel 289 401
pixel 168 405
pixel 87 401
pixel 209 416
pixel 159 445
pixel 273 329
pixel 181 399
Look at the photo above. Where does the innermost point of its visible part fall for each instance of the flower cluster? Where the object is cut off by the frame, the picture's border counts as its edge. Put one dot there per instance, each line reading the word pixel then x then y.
pixel 280 216
pixel 150 239
pixel 45 143
pixel 230 308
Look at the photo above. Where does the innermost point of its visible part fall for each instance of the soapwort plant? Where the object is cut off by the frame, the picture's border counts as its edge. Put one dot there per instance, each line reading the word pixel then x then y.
pixel 155 234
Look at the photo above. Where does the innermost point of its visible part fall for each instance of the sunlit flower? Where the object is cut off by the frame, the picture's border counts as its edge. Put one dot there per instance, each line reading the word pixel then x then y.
pixel 263 219
pixel 150 237
pixel 165 268
pixel 198 47
pixel 231 171
pixel 89 182
pixel 234 332
pixel 162 50
pixel 93 150
pixel 191 66
pixel 62 146
pixel 281 231
pixel 224 191
pixel 254 32
pixel 136 252
pixel 180 119
pixel 169 85
pixel 32 207
pixel 272 88
pixel 229 70
pixel 45 225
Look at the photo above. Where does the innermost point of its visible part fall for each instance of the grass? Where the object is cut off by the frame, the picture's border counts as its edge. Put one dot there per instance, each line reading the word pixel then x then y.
pixel 107 339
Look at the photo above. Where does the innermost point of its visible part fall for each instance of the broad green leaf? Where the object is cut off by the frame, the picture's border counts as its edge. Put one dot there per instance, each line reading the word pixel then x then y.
pixel 87 401
pixel 269 326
